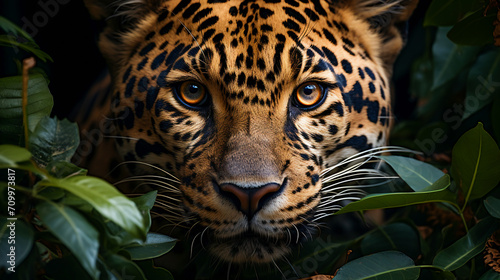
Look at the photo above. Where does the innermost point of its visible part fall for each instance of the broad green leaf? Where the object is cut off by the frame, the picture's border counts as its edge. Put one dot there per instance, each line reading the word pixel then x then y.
pixel 122 268
pixel 382 266
pixel 449 59
pixel 439 274
pixel 475 29
pixel 482 82
pixel 153 272
pixel 475 163
pixel 145 203
pixel 106 200
pixel 492 204
pixel 417 174
pixel 117 237
pixel 54 140
pixel 74 231
pixel 22 241
pixel 397 236
pixel 448 12
pixel 53 194
pixel 63 169
pixel 437 192
pixel 39 104
pixel 466 247
pixel 490 275
pixel 10 155
pixel 155 246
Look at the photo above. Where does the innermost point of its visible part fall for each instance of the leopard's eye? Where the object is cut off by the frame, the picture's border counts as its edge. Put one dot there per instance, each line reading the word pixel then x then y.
pixel 309 94
pixel 192 93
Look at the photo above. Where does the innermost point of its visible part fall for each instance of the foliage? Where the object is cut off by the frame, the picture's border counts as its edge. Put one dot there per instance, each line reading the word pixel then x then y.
pixel 73 225
pixel 65 224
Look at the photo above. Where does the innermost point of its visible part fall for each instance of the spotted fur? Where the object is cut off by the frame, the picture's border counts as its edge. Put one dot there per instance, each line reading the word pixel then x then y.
pixel 251 57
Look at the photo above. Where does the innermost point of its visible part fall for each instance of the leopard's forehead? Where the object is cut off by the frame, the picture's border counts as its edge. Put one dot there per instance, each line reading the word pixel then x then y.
pixel 254 53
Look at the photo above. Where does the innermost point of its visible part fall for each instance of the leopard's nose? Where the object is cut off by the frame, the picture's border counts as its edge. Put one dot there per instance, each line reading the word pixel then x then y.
pixel 249 199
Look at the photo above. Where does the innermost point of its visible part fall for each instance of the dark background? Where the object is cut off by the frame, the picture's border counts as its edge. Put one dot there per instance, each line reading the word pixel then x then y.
pixel 64 30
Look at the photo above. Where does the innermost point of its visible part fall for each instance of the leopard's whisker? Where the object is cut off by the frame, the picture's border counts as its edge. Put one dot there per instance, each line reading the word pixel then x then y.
pixel 192 245
pixel 369 154
pixel 354 173
pixel 167 197
pixel 146 164
pixel 121 137
pixel 159 183
pixel 332 186
pixel 150 177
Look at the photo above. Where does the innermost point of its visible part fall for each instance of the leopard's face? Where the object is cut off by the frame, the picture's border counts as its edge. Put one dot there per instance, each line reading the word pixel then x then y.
pixel 247 103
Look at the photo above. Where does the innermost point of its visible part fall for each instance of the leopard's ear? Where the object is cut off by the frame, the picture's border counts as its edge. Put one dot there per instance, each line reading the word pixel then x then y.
pixel 119 34
pixel 130 9
pixel 388 18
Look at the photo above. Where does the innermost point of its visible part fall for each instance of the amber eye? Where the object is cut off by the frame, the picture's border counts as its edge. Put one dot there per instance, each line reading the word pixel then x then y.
pixel 192 93
pixel 308 94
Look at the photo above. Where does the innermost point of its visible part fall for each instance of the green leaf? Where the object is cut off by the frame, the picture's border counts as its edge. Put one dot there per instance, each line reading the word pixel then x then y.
pixel 466 247
pixel 11 155
pixel 384 265
pixel 396 236
pixel 9 27
pixel 153 272
pixel 448 12
pixel 53 194
pixel 417 174
pixel 74 231
pixel 490 275
pixel 495 117
pixel 156 245
pixel 54 140
pixel 32 47
pixel 492 204
pixel 421 77
pixel 481 82
pixel 145 201
pixel 106 200
pixel 39 105
pixel 63 169
pixel 476 29
pixel 437 192
pixel 22 242
pixel 10 40
pixel 122 268
pixel 475 163
pixel 449 59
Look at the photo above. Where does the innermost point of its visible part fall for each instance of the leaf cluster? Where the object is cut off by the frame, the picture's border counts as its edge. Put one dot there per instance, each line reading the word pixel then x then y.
pixel 65 224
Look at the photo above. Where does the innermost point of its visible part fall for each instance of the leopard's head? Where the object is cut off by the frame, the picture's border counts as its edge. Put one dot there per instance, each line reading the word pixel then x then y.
pixel 248 104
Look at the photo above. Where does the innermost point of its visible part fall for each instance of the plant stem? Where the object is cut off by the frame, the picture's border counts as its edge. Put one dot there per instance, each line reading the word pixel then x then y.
pixel 28 63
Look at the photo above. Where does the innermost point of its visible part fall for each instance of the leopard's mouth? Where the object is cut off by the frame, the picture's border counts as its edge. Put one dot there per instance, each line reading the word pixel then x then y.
pixel 255 247
pixel 251 247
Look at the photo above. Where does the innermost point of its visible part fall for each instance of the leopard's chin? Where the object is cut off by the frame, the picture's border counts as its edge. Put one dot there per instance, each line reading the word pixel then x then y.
pixel 250 247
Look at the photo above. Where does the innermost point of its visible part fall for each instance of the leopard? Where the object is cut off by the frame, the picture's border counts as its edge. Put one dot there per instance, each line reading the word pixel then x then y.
pixel 243 115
